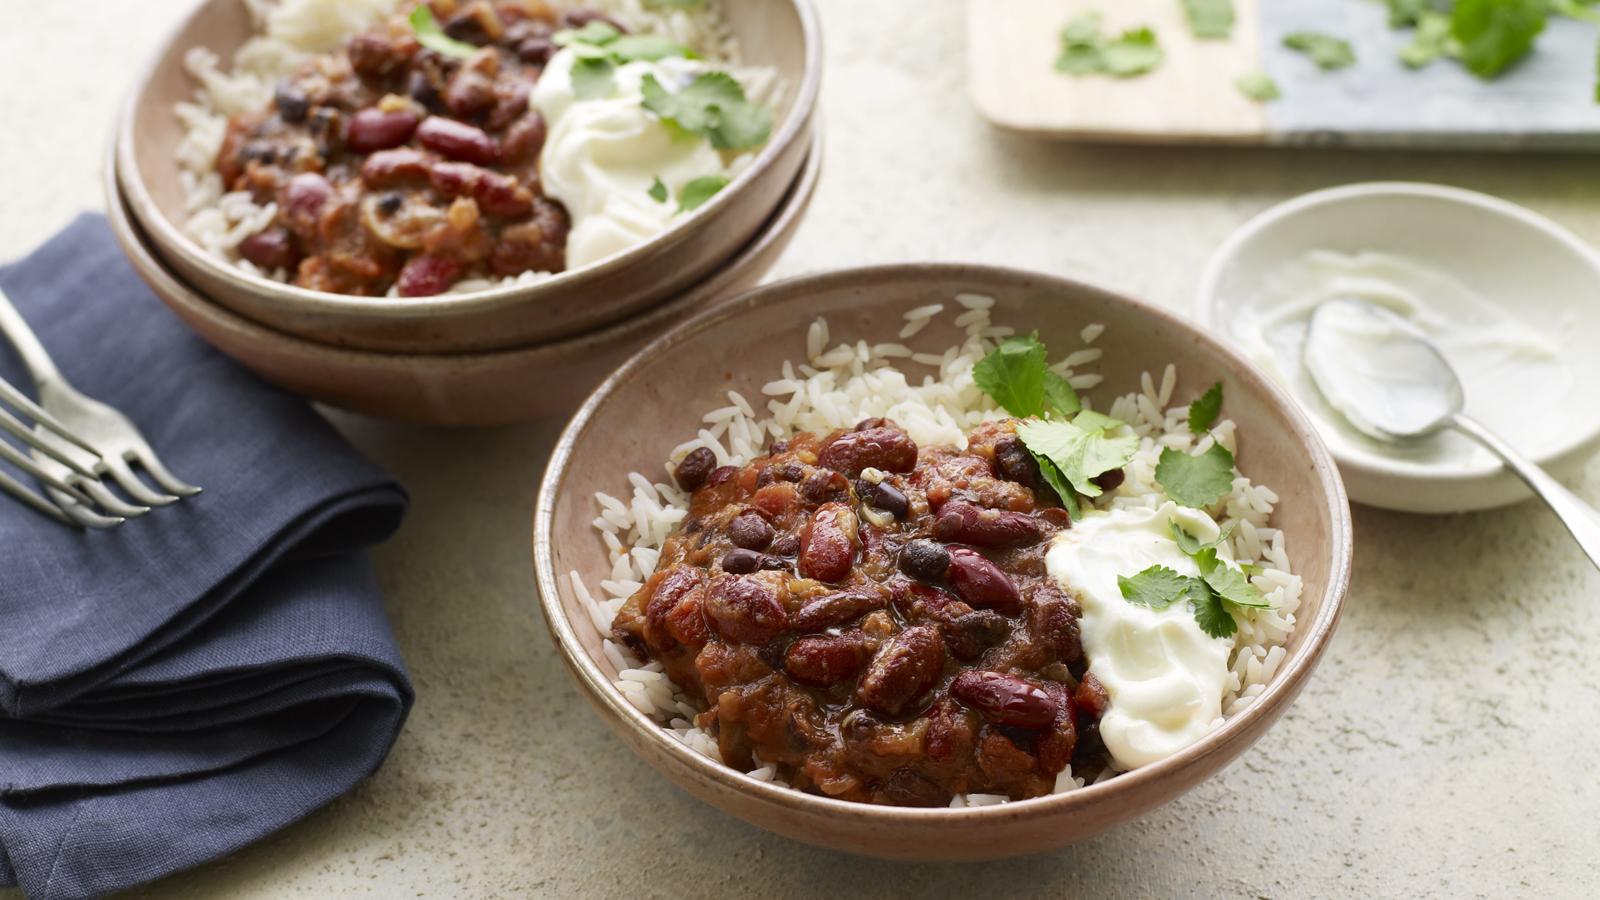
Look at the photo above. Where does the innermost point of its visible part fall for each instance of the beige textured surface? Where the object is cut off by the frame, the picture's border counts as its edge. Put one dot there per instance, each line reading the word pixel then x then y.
pixel 1446 746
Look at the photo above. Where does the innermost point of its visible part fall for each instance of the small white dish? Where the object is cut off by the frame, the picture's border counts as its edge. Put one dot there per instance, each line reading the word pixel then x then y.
pixel 1528 266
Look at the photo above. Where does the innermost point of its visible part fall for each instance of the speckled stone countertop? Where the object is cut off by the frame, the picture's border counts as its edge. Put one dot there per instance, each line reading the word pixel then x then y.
pixel 1446 746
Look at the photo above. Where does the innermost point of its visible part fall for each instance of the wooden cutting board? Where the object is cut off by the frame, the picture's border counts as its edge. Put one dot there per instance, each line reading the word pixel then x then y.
pixel 1546 102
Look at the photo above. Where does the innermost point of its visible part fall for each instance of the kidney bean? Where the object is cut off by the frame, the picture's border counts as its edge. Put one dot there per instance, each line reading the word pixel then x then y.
pixel 949 733
pixel 741 561
pixel 981 583
pixel 961 522
pixel 476 24
pixel 750 531
pixel 372 129
pixel 970 634
pixel 667 589
pixel 1004 699
pixel 828 543
pixel 496 194
pixel 882 447
pixel 271 249
pixel 510 102
pixel 884 496
pixel 396 168
pixel 1090 697
pixel 302 201
pixel 824 661
pixel 721 475
pixel 823 485
pixel 1053 620
pixel 745 609
pixel 293 104
pixel 834 609
pixel 924 560
pixel 427 275
pixel 524 139
pixel 1058 740
pixel 695 468
pixel 469 93
pixel 903 669
pixel 375 57
pixel 458 140
pixel 1110 480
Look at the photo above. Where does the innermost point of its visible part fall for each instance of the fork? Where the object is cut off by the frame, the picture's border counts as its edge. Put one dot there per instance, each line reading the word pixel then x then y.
pixel 77 441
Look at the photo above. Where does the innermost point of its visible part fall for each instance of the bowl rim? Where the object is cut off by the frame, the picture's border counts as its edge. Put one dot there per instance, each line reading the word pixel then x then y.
pixel 1209 305
pixel 785 217
pixel 622 714
pixel 166 233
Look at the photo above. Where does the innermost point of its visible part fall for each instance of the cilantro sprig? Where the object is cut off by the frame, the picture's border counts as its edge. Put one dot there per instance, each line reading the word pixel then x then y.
pixel 429 34
pixel 1198 479
pixel 1209 19
pixel 712 106
pixel 1327 51
pixel 600 48
pixel 695 193
pixel 1085 51
pixel 1219 587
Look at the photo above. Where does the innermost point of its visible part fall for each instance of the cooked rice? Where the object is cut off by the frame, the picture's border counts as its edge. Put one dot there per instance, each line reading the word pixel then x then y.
pixel 290 33
pixel 840 386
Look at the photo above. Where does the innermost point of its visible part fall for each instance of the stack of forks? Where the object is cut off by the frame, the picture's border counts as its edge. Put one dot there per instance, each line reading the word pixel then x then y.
pixel 74 445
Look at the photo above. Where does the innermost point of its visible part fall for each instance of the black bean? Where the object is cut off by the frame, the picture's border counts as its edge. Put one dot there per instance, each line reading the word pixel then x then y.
pixel 750 531
pixel 422 89
pixel 389 203
pixel 741 561
pixel 1110 481
pixel 293 104
pixel 536 50
pixel 1013 462
pixel 884 496
pixel 822 486
pixel 695 468
pixel 924 560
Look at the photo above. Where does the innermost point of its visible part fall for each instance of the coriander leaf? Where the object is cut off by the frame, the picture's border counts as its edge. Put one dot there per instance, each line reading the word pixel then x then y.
pixel 1134 53
pixel 596 33
pixel 1058 483
pixel 1496 33
pixel 658 191
pixel 1080 59
pixel 1327 51
pixel 1431 40
pixel 1013 375
pixel 430 35
pixel 1089 420
pixel 1257 86
pixel 1204 411
pixel 1191 545
pixel 647 47
pixel 591 78
pixel 1083 29
pixel 698 191
pixel 1249 570
pixel 1157 587
pixel 1197 481
pixel 1405 13
pixel 1231 585
pixel 1210 613
pixel 1080 454
pixel 1059 396
pixel 1209 18
pixel 714 106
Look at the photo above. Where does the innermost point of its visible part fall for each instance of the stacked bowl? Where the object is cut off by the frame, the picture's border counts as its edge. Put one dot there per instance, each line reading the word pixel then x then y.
pixel 483 357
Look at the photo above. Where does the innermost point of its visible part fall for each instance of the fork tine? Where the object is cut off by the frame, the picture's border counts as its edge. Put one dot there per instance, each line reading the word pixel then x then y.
pixel 36 412
pixel 166 479
pixel 82 515
pixel 15 427
pixel 12 455
pixel 110 502
pixel 118 469
pixel 15 488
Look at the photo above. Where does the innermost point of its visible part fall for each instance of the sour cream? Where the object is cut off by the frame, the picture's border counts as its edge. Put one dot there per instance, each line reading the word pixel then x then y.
pixel 1164 677
pixel 1514 376
pixel 601 156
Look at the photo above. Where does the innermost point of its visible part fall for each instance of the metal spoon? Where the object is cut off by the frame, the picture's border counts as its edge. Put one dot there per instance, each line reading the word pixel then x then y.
pixel 1390 382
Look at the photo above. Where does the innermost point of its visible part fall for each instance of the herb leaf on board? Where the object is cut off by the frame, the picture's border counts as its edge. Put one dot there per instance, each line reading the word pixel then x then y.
pixel 1135 52
pixel 1258 86
pixel 1327 51
pixel 1493 34
pixel 1197 481
pixel 1209 19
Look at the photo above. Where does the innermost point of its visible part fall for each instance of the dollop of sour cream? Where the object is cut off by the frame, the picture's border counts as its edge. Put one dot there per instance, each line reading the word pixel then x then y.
pixel 1165 678
pixel 602 155
pixel 1515 378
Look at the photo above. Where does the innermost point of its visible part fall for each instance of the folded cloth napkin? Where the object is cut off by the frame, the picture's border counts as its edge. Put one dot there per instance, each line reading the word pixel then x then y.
pixel 182 685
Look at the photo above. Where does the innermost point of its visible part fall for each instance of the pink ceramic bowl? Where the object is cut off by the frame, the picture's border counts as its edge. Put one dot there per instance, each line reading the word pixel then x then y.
pixel 654 402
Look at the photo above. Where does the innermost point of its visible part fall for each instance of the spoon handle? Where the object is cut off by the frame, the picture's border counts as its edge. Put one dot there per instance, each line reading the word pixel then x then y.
pixel 1580 518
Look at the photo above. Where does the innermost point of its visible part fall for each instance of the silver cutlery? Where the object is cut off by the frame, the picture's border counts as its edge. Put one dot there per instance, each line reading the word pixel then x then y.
pixel 76 443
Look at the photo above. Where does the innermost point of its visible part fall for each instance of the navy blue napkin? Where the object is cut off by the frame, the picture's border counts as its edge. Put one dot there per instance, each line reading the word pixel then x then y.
pixel 178 687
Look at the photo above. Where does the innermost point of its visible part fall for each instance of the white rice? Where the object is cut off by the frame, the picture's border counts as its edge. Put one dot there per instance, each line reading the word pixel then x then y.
pixel 838 387
pixel 290 33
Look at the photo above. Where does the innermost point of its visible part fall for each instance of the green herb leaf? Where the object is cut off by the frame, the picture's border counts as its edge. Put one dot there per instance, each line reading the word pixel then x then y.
pixel 1083 29
pixel 658 191
pixel 1197 481
pixel 1209 18
pixel 1157 587
pixel 1191 545
pixel 1080 453
pixel 1013 375
pixel 595 33
pixel 1059 397
pixel 1327 51
pixel 1089 420
pixel 1210 613
pixel 430 35
pixel 1134 53
pixel 1406 13
pixel 1204 411
pixel 698 191
pixel 648 47
pixel 1231 585
pixel 1058 483
pixel 591 78
pixel 714 106
pixel 1431 40
pixel 1493 34
pixel 1258 86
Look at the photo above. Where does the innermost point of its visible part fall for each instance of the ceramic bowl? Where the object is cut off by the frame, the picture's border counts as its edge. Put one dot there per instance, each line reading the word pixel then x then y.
pixel 1514 258
pixel 455 389
pixel 656 401
pixel 780 33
